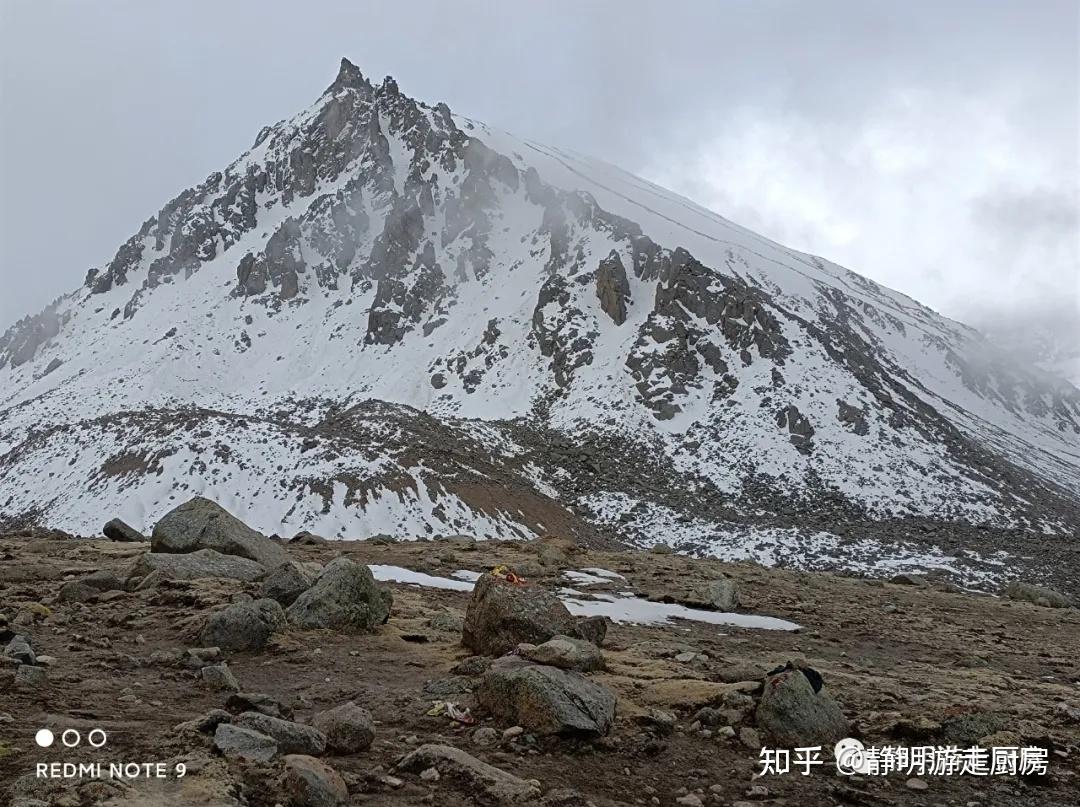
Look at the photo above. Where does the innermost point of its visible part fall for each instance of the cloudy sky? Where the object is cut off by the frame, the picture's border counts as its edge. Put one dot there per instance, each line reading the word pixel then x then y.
pixel 930 146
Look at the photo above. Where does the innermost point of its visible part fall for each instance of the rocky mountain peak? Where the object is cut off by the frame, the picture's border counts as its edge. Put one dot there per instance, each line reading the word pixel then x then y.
pixel 377 279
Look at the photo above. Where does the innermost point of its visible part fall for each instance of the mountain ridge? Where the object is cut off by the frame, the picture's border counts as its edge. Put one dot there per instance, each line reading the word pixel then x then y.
pixel 377 249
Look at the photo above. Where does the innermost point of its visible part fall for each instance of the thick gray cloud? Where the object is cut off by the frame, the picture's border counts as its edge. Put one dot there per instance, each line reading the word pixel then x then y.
pixel 933 147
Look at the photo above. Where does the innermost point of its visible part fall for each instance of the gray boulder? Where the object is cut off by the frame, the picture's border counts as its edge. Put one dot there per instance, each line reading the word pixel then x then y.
pixel 1039 595
pixel 288 581
pixel 546 700
pixel 794 715
pixel 309 782
pixel 501 615
pixel 565 653
pixel 117 530
pixel 472 775
pixel 291 738
pixel 344 597
pixel 237 742
pixel 244 625
pixel 203 524
pixel 195 565
pixel 348 728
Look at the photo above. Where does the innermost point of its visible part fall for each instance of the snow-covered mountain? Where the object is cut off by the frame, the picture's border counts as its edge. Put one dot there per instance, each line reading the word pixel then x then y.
pixel 388 318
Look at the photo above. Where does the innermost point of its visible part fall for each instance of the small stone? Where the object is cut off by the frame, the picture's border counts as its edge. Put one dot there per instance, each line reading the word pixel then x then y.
pixel 312 783
pixel 750 738
pixel 512 732
pixel 348 728
pixel 690 800
pixel 430 774
pixel 484 736
pixel 219 676
pixel 915 783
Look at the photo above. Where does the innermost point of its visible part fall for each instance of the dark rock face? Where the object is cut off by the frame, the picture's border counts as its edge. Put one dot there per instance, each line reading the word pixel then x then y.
pixel 798 426
pixel 546 700
pixel 344 597
pixel 501 615
pixel 793 714
pixel 612 288
pixel 202 524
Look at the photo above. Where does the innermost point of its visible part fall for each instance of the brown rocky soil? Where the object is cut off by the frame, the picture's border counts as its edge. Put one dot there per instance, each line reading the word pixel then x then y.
pixel 889 653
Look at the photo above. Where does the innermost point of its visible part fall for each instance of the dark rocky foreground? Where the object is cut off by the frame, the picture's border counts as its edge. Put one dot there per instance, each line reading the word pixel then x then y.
pixel 282 673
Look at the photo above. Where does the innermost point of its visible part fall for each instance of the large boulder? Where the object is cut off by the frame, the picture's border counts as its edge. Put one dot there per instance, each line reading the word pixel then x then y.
pixel 344 597
pixel 117 530
pixel 546 700
pixel 199 564
pixel 203 524
pixel 501 615
pixel 348 728
pixel 243 625
pixel 291 738
pixel 478 778
pixel 1039 595
pixel 795 710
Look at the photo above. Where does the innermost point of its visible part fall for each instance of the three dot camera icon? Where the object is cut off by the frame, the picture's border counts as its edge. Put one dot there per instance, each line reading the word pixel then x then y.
pixel 71 738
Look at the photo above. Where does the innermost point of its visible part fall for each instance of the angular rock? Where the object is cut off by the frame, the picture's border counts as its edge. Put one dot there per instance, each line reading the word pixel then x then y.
pixel 205 723
pixel 344 597
pixel 291 738
pixel 29 675
pixel 202 524
pixel 117 530
pixel 244 625
pixel 546 700
pixel 475 777
pixel 565 653
pixel 501 615
pixel 19 648
pixel 309 782
pixel 257 702
pixel 286 582
pixel 219 676
pixel 195 565
pixel 348 728
pixel 795 715
pixel 1039 595
pixel 237 742
pixel 76 591
pixel 592 629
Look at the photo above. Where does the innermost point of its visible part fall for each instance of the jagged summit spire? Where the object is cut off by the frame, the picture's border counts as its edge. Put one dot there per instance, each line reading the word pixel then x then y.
pixel 349 75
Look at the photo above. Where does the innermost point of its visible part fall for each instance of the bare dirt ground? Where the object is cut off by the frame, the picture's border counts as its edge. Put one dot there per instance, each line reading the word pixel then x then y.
pixel 893 655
